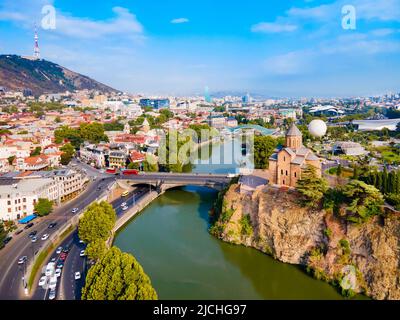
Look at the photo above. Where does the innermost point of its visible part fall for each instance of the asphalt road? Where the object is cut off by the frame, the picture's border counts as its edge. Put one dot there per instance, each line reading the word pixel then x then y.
pixel 11 283
pixel 75 263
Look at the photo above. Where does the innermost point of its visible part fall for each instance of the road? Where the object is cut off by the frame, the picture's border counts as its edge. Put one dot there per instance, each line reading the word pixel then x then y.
pixel 11 275
pixel 75 263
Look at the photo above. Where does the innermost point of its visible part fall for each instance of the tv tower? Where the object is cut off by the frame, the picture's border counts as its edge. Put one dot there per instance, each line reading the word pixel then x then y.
pixel 36 50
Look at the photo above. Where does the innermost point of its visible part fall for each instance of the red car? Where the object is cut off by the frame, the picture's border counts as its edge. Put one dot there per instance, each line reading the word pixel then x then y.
pixel 130 172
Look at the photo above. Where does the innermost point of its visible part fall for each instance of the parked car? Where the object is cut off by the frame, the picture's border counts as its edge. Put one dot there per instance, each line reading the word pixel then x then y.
pixel 66 249
pixel 59 249
pixel 49 269
pixel 53 283
pixel 7 240
pixel 60 265
pixel 58 272
pixel 29 225
pixel 19 231
pixel 34 239
pixel 77 275
pixel 52 294
pixel 123 204
pixel 124 208
pixel 45 236
pixel 42 281
pixel 22 260
pixel 52 225
pixel 54 259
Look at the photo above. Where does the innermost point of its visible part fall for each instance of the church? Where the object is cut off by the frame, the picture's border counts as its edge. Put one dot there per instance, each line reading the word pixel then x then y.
pixel 287 164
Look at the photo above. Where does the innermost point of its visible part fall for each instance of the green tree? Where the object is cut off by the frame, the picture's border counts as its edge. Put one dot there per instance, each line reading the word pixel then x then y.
pixel 11 160
pixel 93 132
pixel 134 165
pixel 117 276
pixel 43 207
pixel 339 170
pixel 96 249
pixel 264 147
pixel 67 133
pixel 97 222
pixel 363 201
pixel 311 187
pixel 68 153
pixel 36 152
pixel 57 120
pixel 3 234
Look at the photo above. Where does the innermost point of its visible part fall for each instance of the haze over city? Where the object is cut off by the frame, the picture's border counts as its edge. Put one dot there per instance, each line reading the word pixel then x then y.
pixel 272 48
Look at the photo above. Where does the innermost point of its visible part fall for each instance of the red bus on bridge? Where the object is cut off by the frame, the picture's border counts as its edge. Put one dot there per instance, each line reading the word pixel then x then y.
pixel 130 172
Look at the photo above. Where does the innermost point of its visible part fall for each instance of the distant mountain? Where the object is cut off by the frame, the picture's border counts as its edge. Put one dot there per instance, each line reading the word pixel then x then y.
pixel 41 76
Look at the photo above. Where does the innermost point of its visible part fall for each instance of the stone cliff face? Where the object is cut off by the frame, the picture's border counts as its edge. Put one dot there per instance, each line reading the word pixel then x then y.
pixel 363 258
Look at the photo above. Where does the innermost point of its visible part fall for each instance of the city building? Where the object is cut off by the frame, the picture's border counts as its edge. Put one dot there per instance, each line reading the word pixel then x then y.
pixel 287 164
pixel 117 159
pixel 349 148
pixel 155 103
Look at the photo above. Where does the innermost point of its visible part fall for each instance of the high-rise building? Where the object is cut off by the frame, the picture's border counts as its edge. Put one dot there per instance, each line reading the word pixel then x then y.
pixel 246 99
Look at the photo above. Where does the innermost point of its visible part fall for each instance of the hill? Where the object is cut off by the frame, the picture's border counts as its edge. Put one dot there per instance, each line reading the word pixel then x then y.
pixel 41 76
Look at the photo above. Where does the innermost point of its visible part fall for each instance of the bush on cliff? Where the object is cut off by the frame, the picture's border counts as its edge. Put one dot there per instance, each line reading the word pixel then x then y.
pixel 311 187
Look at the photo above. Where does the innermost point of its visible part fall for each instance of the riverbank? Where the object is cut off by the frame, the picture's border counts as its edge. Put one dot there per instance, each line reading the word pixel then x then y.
pixel 271 221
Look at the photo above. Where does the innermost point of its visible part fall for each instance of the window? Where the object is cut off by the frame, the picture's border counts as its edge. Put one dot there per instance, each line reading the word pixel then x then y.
pixel 286 172
pixel 295 175
pixel 284 159
pixel 8 202
pixel 281 171
pixel 9 210
pixel 23 199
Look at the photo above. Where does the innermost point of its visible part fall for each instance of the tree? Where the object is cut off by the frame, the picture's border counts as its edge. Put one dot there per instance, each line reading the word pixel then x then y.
pixel 97 222
pixel 339 170
pixel 36 152
pixel 93 132
pixel 363 201
pixel 11 160
pixel 264 147
pixel 43 207
pixel 311 187
pixel 3 234
pixel 70 134
pixel 117 276
pixel 68 153
pixel 57 120
pixel 96 249
pixel 134 165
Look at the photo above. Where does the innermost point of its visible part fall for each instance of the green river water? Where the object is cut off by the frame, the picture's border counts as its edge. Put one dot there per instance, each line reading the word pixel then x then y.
pixel 170 239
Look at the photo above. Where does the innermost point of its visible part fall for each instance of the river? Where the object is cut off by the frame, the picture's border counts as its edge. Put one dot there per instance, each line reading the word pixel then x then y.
pixel 170 239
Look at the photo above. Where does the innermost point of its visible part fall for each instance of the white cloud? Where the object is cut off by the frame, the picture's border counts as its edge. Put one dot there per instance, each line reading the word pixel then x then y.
pixel 123 23
pixel 289 64
pixel 273 27
pixel 180 20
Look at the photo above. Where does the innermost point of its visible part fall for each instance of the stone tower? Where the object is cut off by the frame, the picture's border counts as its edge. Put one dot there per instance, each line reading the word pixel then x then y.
pixel 294 138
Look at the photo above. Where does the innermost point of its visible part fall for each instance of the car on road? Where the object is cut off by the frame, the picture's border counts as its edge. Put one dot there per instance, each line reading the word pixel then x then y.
pixel 45 236
pixel 81 241
pixel 60 265
pixel 77 275
pixel 32 234
pixel 49 269
pixel 53 283
pixel 52 225
pixel 29 225
pixel 66 249
pixel 75 210
pixel 82 253
pixel 124 208
pixel 42 281
pixel 59 249
pixel 19 231
pixel 58 272
pixel 34 239
pixel 52 294
pixel 22 260
pixel 123 204
pixel 54 259
pixel 125 193
pixel 7 240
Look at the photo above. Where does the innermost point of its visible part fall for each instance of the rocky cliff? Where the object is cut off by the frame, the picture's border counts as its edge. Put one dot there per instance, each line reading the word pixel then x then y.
pixel 355 258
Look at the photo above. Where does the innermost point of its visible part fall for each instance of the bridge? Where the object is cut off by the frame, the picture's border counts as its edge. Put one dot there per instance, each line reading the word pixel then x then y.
pixel 164 181
pixel 260 129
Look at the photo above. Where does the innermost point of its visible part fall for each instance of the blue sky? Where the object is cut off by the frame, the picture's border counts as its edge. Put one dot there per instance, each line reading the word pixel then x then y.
pixel 277 48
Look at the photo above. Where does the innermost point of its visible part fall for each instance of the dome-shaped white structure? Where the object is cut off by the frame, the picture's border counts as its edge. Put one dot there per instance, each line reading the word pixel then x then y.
pixel 317 128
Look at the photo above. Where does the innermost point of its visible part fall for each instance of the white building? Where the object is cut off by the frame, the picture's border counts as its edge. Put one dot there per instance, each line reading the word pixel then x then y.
pixel 18 197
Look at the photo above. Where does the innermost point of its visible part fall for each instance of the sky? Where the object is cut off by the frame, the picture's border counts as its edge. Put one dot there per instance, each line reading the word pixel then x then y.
pixel 277 48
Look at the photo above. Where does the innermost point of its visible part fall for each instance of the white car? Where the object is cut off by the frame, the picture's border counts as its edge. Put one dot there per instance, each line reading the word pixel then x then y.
pixel 53 283
pixel 42 281
pixel 58 272
pixel 77 275
pixel 123 204
pixel 34 239
pixel 82 253
pixel 75 210
pixel 81 241
pixel 124 208
pixel 52 294
pixel 22 260
pixel 59 249
pixel 45 237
